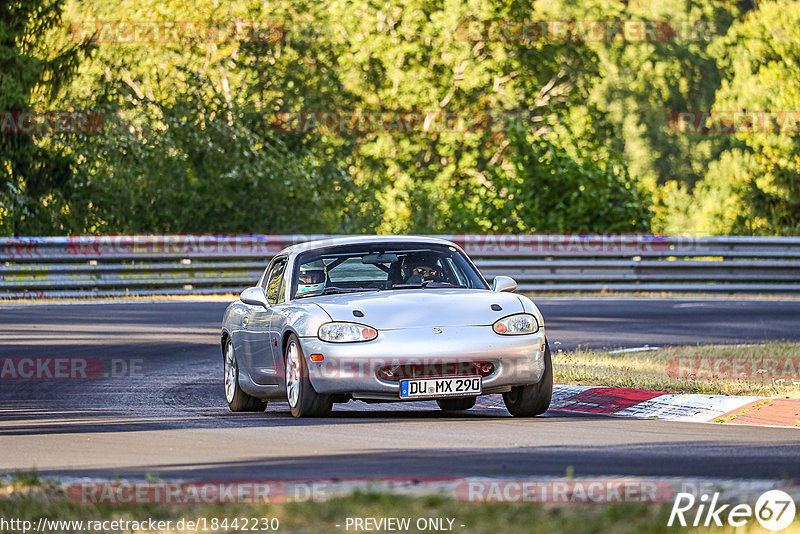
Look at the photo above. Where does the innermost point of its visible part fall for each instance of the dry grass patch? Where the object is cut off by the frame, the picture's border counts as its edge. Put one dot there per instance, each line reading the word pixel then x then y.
pixel 771 370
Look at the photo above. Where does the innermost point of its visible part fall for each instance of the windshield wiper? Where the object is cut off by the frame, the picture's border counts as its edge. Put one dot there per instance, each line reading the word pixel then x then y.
pixel 335 291
pixel 426 284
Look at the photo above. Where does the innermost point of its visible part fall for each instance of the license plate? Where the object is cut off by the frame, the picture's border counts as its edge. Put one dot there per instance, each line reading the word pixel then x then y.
pixel 457 386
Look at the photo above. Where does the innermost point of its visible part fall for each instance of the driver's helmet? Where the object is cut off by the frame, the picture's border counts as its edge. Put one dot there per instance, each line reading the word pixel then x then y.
pixel 421 266
pixel 312 277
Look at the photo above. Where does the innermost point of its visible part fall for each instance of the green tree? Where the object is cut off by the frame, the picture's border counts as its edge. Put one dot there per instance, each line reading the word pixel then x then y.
pixel 34 171
pixel 760 174
pixel 411 55
pixel 578 125
pixel 560 185
pixel 643 79
pixel 193 165
pixel 188 144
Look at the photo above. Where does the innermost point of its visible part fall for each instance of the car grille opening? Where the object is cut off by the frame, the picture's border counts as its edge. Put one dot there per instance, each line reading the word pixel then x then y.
pixel 395 373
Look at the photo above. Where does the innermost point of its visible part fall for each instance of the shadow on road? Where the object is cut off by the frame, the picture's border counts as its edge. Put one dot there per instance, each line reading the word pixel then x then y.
pixel 718 459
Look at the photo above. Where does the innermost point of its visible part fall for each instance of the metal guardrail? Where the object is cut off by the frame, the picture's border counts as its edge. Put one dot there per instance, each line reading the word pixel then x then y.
pixel 115 265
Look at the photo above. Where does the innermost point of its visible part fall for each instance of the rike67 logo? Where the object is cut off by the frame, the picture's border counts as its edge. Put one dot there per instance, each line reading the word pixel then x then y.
pixel 774 509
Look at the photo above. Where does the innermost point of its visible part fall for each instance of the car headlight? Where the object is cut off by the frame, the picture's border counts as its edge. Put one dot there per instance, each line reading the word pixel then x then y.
pixel 518 324
pixel 346 332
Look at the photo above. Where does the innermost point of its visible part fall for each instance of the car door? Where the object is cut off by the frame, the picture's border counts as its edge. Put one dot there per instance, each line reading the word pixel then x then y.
pixel 257 336
pixel 278 323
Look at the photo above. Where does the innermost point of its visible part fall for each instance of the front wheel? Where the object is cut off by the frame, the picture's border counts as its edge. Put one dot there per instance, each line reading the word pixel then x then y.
pixel 304 401
pixel 533 399
pixel 238 400
pixel 456 405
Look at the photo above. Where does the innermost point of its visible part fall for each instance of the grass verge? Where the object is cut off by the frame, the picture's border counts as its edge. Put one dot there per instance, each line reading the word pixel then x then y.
pixel 49 500
pixel 771 370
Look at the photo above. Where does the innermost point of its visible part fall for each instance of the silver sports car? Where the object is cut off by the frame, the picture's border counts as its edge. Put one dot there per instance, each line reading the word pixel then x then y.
pixel 383 319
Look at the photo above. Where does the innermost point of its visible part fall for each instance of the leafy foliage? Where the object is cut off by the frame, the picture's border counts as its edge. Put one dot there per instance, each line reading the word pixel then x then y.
pixel 32 174
pixel 762 57
pixel 196 165
pixel 576 137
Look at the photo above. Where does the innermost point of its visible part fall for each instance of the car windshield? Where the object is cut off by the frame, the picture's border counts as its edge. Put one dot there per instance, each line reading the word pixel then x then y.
pixel 380 266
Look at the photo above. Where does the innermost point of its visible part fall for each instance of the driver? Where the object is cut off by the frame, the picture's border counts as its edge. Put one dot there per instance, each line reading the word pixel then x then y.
pixel 312 277
pixel 421 267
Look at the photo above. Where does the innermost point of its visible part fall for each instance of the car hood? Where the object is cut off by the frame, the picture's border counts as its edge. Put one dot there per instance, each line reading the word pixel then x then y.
pixel 392 309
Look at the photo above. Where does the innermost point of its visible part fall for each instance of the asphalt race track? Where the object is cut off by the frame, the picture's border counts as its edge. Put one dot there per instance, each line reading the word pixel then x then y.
pixel 170 417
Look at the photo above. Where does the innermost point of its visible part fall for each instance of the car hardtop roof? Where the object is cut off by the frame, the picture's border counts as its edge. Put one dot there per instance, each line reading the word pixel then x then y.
pixel 357 240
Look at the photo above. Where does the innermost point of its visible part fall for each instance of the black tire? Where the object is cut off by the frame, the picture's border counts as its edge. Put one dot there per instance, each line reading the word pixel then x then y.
pixel 308 402
pixel 238 400
pixel 457 404
pixel 533 399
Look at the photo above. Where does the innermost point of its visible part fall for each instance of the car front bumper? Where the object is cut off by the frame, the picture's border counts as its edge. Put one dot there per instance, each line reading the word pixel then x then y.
pixel 352 368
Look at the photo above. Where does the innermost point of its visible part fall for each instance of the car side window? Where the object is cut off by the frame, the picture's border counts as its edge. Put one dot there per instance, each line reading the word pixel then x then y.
pixel 282 290
pixel 462 281
pixel 274 281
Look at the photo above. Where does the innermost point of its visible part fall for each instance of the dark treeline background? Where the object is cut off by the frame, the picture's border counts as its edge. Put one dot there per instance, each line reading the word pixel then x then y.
pixel 578 141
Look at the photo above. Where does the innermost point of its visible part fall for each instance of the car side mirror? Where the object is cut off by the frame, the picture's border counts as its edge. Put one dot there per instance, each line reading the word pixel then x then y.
pixel 254 296
pixel 504 283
